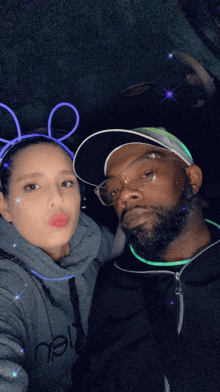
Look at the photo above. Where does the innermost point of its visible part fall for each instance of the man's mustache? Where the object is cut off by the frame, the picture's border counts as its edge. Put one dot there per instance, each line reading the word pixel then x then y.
pixel 144 207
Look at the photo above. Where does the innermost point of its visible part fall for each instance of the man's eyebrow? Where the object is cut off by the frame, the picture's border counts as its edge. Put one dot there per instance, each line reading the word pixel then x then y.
pixel 37 175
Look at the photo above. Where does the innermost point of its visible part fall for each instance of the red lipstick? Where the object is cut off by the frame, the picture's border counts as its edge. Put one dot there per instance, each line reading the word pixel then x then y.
pixel 59 220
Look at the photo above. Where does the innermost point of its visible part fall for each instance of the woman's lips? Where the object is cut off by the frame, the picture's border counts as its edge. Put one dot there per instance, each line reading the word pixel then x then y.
pixel 59 220
pixel 136 217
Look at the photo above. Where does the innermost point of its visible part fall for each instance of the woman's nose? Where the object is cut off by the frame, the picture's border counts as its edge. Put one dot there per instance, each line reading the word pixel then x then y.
pixel 55 195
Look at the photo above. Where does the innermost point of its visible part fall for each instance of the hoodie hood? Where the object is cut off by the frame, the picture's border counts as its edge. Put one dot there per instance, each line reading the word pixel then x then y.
pixel 84 246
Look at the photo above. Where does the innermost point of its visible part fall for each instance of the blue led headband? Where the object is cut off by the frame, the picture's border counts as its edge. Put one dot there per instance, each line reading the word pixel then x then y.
pixel 10 143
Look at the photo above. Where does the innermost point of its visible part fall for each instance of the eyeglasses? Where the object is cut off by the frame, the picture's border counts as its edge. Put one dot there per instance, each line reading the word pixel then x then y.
pixel 109 191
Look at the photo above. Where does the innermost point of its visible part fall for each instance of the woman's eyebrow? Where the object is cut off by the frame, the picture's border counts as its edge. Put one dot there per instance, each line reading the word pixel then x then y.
pixel 29 175
pixel 37 175
pixel 65 171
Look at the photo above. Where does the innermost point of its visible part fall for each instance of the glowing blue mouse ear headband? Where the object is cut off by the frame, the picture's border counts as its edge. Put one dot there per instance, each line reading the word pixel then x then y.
pixel 10 143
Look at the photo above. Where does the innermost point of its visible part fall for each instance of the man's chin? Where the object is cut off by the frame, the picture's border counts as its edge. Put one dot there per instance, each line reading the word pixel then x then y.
pixel 139 217
pixel 154 235
pixel 141 233
pixel 145 243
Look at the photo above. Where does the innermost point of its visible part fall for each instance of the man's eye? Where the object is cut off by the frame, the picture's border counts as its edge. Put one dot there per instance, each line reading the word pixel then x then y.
pixel 114 192
pixel 31 187
pixel 147 174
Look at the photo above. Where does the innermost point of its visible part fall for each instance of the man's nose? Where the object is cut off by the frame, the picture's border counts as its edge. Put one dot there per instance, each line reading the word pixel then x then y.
pixel 129 195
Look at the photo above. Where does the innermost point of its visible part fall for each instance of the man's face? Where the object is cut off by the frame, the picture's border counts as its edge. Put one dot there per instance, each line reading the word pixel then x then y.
pixel 152 211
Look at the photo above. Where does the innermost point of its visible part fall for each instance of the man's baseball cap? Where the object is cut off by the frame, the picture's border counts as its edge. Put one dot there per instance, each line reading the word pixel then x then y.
pixel 93 153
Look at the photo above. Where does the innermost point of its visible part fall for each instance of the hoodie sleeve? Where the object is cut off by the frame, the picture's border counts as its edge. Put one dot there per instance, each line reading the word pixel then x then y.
pixel 12 335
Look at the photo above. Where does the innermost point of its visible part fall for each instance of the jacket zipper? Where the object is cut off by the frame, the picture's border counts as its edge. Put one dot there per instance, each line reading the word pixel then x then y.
pixel 178 291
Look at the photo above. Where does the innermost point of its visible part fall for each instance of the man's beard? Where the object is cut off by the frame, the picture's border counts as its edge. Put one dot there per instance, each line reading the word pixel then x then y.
pixel 170 222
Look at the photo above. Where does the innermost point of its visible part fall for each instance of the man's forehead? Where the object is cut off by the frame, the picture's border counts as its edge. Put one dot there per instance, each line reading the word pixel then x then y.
pixel 131 152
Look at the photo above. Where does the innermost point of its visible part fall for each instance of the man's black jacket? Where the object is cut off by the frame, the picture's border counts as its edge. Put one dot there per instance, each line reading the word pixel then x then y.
pixel 154 330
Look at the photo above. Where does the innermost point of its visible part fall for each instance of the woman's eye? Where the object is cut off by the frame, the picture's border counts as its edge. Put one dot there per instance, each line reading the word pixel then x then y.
pixel 68 184
pixel 31 187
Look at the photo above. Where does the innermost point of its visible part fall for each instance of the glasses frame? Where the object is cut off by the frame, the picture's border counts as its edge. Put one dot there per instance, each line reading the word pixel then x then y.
pixel 97 189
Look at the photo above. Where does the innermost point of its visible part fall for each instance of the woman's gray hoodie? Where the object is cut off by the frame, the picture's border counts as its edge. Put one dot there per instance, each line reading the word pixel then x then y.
pixel 38 322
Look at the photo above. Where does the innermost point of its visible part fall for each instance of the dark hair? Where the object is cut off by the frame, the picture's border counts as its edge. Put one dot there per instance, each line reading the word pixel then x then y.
pixel 7 162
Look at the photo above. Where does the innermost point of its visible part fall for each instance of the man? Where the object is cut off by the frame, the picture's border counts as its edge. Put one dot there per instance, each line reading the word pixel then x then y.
pixel 155 318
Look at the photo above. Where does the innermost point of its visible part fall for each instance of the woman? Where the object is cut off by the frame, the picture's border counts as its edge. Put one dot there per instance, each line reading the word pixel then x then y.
pixel 50 256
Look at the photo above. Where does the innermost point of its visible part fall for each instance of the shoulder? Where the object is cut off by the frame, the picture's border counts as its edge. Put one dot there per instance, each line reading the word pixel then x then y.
pixel 11 271
pixel 115 285
pixel 117 300
pixel 205 267
pixel 14 280
pixel 100 235
pixel 106 244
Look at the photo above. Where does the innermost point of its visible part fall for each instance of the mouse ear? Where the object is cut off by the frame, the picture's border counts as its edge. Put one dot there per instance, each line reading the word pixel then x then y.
pixel 51 115
pixel 10 142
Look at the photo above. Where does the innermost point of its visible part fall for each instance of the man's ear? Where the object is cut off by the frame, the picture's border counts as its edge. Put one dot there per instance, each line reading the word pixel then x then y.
pixel 194 174
pixel 4 209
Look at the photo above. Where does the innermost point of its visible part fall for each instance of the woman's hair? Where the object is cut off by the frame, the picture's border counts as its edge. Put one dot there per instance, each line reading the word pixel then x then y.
pixel 7 162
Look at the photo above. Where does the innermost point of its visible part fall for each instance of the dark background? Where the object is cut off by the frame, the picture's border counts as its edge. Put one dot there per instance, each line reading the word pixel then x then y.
pixel 88 52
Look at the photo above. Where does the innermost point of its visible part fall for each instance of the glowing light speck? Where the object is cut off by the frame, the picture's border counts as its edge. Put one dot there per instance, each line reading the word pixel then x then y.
pixel 6 166
pixel 17 297
pixel 168 94
pixel 14 373
pixel 170 56
pixel 17 199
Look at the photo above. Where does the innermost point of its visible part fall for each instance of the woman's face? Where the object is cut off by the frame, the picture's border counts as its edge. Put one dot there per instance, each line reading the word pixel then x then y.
pixel 44 198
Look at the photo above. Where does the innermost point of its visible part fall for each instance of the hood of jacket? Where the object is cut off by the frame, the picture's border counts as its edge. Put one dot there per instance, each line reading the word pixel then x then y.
pixel 84 247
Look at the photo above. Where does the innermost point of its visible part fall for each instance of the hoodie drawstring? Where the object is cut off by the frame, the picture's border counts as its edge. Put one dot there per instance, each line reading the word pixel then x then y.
pixel 80 339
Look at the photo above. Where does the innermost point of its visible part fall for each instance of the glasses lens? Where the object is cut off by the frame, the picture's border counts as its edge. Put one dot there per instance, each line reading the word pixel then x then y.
pixel 141 174
pixel 144 174
pixel 110 190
